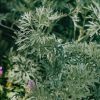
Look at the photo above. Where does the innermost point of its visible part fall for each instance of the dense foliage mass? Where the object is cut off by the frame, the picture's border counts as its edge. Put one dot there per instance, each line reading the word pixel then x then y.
pixel 49 50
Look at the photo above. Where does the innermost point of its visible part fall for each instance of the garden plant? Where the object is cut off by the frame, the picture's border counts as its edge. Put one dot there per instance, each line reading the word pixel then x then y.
pixel 49 49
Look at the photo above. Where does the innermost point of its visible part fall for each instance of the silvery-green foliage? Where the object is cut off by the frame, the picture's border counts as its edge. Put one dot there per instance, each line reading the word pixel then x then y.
pixel 94 24
pixel 34 40
pixel 23 68
pixel 78 73
pixel 76 80
pixel 35 30
pixel 61 71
